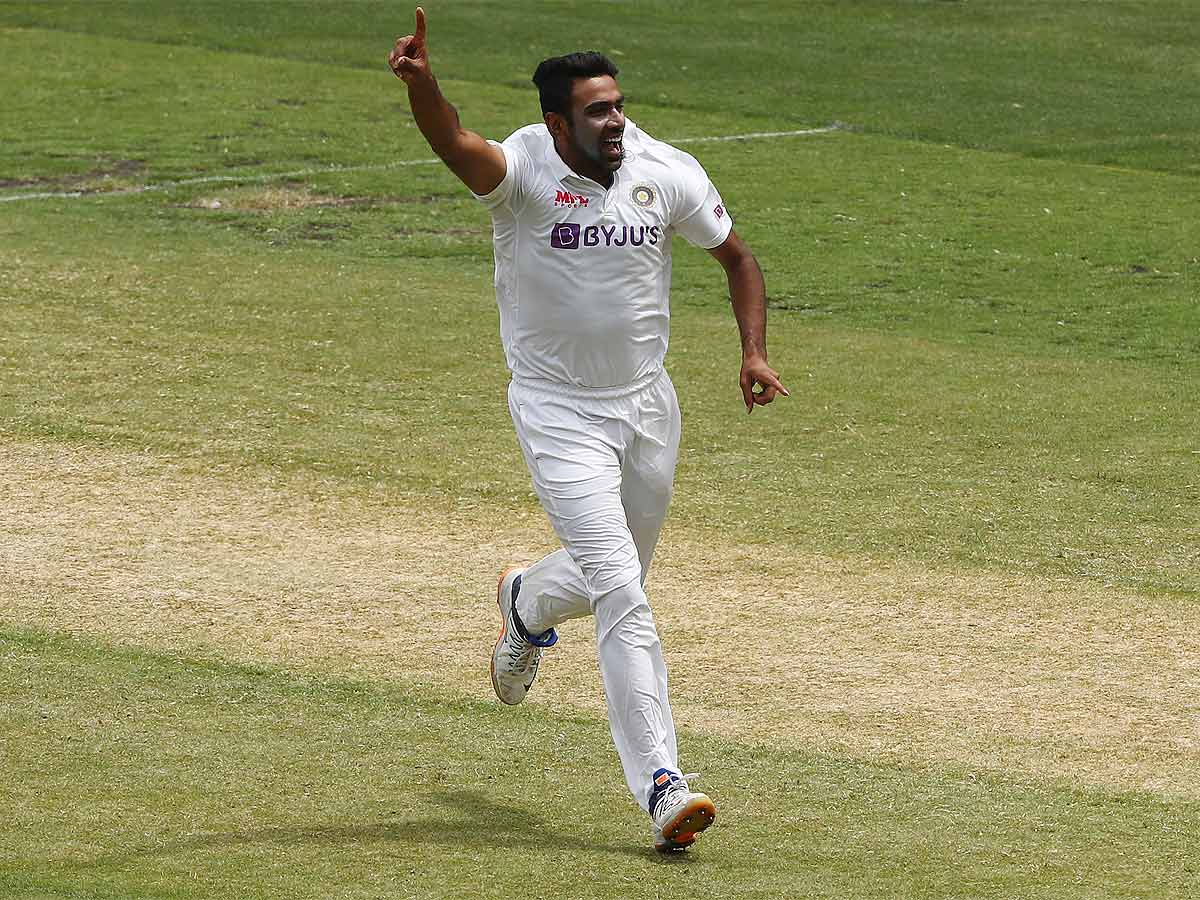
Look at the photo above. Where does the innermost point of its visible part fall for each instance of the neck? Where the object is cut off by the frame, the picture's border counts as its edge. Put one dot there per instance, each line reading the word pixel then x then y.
pixel 584 165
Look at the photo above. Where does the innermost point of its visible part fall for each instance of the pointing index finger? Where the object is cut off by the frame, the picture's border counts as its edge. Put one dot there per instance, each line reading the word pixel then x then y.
pixel 420 34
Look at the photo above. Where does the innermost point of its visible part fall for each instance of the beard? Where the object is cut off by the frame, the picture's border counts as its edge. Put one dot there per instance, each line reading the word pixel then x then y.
pixel 596 150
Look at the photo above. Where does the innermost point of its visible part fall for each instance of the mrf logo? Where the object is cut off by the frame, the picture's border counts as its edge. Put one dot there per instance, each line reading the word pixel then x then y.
pixel 570 236
pixel 566 198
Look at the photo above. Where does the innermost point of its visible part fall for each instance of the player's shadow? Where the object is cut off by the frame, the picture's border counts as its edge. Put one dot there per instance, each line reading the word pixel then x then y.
pixel 470 819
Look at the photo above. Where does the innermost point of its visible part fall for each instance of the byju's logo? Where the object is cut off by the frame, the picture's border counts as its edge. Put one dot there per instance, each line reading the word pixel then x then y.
pixel 565 236
pixel 569 236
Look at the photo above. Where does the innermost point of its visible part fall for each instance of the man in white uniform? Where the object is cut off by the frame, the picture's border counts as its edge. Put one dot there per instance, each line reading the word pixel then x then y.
pixel 584 206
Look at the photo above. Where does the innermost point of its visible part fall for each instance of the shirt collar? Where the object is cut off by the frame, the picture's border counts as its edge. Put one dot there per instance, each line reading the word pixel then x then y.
pixel 554 162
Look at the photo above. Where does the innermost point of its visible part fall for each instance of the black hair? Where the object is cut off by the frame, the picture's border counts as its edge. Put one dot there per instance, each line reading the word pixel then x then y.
pixel 555 75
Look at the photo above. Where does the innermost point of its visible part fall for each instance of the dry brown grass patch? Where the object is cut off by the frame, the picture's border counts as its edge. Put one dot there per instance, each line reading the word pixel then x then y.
pixel 1056 678
pixel 273 198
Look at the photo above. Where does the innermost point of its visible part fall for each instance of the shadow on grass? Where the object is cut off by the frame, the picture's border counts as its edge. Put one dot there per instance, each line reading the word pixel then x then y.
pixel 475 821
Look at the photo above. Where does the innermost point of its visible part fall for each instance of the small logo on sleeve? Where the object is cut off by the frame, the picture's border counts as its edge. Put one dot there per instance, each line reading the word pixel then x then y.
pixel 565 236
pixel 719 210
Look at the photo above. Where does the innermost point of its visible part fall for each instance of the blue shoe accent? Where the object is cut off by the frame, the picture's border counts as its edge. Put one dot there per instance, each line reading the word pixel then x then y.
pixel 546 638
pixel 661 782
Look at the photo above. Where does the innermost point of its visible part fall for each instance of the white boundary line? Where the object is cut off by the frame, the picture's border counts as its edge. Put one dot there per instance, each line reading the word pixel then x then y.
pixel 757 135
pixel 301 173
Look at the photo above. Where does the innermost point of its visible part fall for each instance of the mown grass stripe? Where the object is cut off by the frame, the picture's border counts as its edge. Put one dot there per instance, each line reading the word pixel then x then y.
pixel 196 778
pixel 376 167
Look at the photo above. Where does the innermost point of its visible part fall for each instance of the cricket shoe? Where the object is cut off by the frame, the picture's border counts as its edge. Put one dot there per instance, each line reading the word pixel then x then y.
pixel 517 653
pixel 679 813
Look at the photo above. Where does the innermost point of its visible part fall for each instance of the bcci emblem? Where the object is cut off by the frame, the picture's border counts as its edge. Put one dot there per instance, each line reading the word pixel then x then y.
pixel 643 195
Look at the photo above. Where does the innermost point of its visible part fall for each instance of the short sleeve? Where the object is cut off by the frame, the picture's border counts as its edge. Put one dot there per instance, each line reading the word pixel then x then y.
pixel 705 222
pixel 511 189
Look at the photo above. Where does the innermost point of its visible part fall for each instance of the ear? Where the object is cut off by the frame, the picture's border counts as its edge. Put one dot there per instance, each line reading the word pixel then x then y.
pixel 556 124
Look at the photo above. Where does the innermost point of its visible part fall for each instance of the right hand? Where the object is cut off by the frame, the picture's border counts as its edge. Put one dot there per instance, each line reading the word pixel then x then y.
pixel 757 374
pixel 409 59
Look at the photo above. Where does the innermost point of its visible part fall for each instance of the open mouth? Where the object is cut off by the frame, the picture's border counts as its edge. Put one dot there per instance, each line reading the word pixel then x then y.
pixel 612 147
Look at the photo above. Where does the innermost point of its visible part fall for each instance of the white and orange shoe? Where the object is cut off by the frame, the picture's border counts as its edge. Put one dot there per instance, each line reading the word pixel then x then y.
pixel 517 653
pixel 679 813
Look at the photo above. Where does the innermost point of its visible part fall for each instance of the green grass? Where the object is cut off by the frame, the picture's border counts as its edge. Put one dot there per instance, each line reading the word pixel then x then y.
pixel 1075 79
pixel 1012 389
pixel 983 295
pixel 134 774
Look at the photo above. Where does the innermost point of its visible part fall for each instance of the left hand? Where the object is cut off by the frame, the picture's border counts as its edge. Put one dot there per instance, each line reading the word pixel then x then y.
pixel 757 374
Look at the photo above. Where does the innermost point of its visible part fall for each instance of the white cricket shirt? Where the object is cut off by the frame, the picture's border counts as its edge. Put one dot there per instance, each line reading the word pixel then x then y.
pixel 583 273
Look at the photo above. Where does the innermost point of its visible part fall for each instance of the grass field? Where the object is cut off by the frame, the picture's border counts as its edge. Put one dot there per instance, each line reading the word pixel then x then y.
pixel 933 623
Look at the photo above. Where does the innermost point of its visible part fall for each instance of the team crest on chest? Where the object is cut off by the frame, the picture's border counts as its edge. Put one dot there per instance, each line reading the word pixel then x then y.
pixel 643 195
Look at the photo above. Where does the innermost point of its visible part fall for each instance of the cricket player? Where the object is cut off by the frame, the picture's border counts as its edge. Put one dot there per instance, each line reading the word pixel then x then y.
pixel 584 205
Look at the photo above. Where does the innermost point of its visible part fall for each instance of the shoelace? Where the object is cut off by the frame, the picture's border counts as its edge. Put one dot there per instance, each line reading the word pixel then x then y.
pixel 685 788
pixel 519 649
pixel 520 653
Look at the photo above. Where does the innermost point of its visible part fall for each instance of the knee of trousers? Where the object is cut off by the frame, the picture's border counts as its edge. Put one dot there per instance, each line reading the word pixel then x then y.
pixel 607 565
pixel 625 613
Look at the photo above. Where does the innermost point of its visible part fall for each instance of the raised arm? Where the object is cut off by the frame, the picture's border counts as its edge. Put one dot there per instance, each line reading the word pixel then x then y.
pixel 748 294
pixel 480 165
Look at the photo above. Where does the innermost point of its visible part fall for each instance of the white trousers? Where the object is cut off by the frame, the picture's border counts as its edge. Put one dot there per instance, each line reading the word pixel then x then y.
pixel 603 463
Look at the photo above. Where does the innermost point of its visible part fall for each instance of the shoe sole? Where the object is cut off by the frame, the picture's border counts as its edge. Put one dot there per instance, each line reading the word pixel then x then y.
pixel 503 632
pixel 680 833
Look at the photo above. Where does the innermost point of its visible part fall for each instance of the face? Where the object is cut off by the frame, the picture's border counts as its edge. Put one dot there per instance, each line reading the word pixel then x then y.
pixel 592 137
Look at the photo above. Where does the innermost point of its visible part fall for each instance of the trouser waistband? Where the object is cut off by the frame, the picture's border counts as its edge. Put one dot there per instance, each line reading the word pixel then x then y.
pixel 562 389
